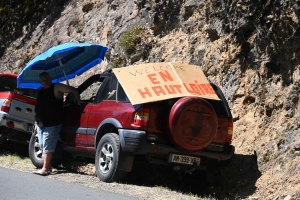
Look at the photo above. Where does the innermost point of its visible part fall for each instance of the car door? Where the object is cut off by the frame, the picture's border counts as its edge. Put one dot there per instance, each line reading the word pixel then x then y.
pixel 103 108
pixel 74 130
pixel 75 124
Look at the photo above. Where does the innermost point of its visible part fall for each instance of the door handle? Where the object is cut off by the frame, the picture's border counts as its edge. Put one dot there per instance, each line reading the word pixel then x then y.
pixel 18 109
pixel 28 110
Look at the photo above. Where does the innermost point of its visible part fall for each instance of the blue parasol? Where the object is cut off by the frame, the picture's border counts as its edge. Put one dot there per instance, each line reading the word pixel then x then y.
pixel 62 62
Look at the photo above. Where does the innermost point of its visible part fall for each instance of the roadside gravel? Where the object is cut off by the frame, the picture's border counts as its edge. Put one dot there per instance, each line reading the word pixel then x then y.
pixel 144 182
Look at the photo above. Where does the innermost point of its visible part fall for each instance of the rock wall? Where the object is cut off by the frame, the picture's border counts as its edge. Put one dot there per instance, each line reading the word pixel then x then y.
pixel 250 48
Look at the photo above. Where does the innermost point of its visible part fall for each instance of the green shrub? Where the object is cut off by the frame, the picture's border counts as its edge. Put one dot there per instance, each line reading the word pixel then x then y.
pixel 74 21
pixel 131 38
pixel 117 61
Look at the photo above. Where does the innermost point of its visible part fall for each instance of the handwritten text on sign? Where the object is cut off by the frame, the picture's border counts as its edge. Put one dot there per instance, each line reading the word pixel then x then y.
pixel 159 81
pixel 162 89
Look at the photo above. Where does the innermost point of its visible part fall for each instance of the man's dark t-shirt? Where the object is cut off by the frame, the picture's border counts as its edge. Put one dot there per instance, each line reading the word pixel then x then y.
pixel 49 109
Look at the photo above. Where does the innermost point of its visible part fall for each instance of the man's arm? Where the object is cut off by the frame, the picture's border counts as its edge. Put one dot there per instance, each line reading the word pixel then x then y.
pixel 60 89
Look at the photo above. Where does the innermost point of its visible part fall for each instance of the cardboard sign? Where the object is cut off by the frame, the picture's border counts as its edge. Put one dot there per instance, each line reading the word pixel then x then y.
pixel 159 81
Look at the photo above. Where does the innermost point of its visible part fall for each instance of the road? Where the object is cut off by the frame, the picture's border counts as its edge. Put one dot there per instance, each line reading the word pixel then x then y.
pixel 26 186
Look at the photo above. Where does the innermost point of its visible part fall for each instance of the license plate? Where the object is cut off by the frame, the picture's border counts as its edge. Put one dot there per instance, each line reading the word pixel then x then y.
pixel 183 159
pixel 29 128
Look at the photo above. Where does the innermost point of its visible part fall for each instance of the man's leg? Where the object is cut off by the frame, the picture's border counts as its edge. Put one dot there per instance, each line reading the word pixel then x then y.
pixel 47 162
pixel 40 137
pixel 51 138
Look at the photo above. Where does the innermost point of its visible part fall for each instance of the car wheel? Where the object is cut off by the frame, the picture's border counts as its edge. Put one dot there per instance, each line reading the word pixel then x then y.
pixel 107 159
pixel 35 152
pixel 193 123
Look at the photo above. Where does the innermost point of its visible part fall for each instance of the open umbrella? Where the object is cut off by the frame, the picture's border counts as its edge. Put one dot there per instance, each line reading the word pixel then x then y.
pixel 62 62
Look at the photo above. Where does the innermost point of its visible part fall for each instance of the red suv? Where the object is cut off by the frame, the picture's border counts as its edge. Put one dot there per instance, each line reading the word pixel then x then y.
pixel 188 133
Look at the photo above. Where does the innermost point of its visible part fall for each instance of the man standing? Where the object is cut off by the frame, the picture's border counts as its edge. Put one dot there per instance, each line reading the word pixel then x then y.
pixel 49 117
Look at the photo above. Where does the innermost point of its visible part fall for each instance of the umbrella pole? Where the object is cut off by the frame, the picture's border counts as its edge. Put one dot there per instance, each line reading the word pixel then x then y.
pixel 66 77
pixel 64 72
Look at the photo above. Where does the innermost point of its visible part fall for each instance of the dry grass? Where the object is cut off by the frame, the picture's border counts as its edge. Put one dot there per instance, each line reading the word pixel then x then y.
pixel 147 181
pixel 144 182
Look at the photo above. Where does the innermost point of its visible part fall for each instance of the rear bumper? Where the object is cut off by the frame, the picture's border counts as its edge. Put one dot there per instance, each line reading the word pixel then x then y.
pixel 14 129
pixel 18 124
pixel 135 142
pixel 14 136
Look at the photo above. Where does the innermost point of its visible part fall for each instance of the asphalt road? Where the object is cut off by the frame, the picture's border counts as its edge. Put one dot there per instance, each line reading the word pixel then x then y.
pixel 26 186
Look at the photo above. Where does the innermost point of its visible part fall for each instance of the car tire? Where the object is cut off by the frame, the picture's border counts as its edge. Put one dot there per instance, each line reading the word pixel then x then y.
pixel 35 153
pixel 107 159
pixel 193 123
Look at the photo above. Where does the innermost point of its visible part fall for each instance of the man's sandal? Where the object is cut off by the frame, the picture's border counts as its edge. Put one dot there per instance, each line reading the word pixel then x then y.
pixel 42 173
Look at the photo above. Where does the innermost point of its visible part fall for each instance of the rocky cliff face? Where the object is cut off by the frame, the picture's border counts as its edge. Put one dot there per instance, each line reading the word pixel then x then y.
pixel 250 48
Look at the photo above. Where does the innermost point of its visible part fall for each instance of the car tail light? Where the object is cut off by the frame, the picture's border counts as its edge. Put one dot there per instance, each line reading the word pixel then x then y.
pixel 230 131
pixel 10 125
pixel 6 105
pixel 141 117
pixel 219 159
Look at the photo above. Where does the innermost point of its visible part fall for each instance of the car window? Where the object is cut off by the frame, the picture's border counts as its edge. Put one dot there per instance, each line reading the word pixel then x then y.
pixel 221 107
pixel 27 92
pixel 103 92
pixel 121 95
pixel 111 95
pixel 90 92
pixel 7 84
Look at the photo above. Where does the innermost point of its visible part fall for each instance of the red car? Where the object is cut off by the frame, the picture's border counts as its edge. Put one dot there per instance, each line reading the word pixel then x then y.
pixel 188 133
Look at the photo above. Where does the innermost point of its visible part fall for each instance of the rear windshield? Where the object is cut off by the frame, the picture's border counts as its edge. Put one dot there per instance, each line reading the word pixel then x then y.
pixel 7 84
pixel 26 92
pixel 221 107
pixel 218 107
